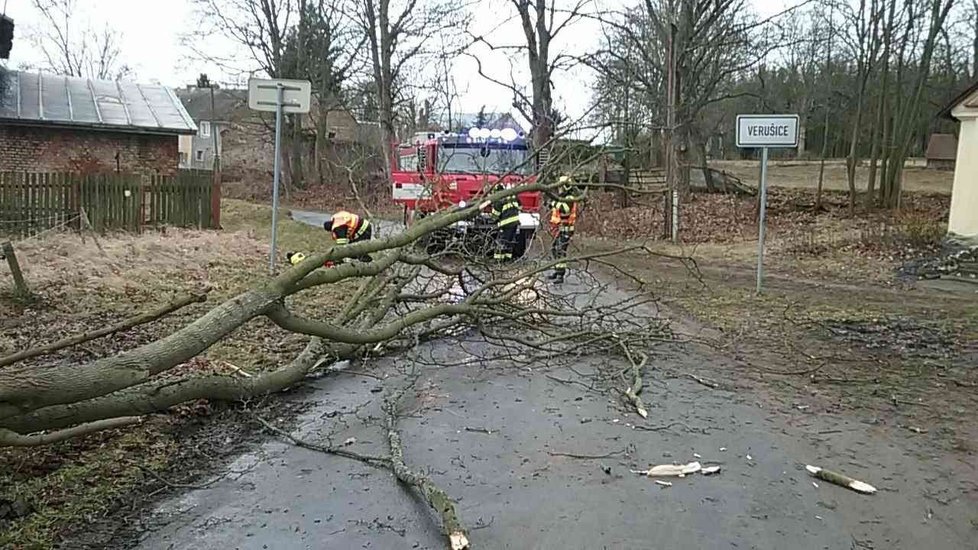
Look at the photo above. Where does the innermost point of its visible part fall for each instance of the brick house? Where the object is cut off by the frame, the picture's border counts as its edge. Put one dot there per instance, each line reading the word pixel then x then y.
pixel 54 123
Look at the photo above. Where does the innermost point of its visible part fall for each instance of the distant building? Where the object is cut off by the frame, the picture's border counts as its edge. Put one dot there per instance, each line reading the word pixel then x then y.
pixel 212 120
pixel 963 218
pixel 942 149
pixel 54 123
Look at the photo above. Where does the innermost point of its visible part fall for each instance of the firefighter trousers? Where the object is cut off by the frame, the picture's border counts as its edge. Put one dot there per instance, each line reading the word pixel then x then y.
pixel 365 235
pixel 506 241
pixel 558 251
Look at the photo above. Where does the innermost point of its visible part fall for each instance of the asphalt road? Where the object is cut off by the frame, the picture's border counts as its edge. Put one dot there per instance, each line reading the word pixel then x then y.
pixel 494 437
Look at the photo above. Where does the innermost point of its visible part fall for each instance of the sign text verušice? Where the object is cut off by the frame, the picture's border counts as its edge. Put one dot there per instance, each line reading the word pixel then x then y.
pixel 767 130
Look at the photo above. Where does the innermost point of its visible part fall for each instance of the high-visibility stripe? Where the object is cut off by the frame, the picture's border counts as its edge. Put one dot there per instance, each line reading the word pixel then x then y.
pixel 508 221
pixel 342 241
pixel 363 228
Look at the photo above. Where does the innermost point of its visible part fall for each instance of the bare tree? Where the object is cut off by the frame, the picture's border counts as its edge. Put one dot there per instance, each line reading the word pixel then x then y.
pixel 76 49
pixel 926 24
pixel 305 39
pixel 398 34
pixel 714 44
pixel 541 22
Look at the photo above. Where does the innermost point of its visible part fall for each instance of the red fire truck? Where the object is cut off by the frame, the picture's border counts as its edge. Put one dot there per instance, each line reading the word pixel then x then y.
pixel 439 170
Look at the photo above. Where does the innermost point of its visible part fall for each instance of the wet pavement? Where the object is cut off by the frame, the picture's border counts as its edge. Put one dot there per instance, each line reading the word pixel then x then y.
pixel 495 436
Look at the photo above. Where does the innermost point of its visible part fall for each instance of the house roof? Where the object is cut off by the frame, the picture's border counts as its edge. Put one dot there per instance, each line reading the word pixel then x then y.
pixel 50 100
pixel 958 99
pixel 198 103
pixel 942 147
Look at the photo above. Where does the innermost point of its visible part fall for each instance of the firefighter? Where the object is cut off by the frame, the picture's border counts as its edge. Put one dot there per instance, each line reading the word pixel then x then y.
pixel 295 258
pixel 563 215
pixel 506 212
pixel 347 228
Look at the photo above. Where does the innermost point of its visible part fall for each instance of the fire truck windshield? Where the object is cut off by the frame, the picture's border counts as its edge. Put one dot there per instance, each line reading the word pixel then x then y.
pixel 480 159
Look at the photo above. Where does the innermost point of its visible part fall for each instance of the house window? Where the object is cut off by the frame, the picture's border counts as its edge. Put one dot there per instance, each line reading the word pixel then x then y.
pixel 200 155
pixel 205 129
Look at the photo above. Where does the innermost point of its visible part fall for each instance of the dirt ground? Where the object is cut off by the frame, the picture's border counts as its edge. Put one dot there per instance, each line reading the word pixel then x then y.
pixel 804 175
pixel 840 364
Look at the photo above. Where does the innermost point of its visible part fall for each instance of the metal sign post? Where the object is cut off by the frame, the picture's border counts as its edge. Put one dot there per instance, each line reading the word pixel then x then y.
pixel 761 220
pixel 281 96
pixel 765 132
pixel 277 176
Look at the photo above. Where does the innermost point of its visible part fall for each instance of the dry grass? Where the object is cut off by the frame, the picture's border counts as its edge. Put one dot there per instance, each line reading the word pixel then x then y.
pixel 81 285
pixel 804 174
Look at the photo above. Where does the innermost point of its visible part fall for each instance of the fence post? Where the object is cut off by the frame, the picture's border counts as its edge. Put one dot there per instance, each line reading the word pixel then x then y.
pixel 216 201
pixel 20 286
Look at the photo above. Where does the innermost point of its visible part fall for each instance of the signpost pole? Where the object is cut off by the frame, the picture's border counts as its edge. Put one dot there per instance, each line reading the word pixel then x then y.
pixel 761 219
pixel 275 179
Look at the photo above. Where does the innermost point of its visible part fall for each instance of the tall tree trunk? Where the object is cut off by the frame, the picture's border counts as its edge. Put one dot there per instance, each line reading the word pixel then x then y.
pixel 821 162
pixel 878 130
pixel 904 126
pixel 974 41
pixel 852 160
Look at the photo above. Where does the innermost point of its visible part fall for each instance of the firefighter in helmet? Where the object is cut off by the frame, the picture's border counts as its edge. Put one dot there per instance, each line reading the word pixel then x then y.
pixel 295 258
pixel 348 228
pixel 563 216
pixel 506 212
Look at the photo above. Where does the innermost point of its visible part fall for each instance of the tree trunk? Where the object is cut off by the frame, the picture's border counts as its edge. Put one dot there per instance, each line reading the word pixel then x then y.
pixel 802 131
pixel 821 162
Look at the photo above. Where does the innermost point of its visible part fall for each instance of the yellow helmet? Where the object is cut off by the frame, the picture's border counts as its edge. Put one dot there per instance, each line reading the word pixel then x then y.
pixel 565 180
pixel 295 258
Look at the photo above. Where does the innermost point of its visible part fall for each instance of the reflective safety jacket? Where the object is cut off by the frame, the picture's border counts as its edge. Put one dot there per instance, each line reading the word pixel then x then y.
pixel 506 211
pixel 563 214
pixel 348 226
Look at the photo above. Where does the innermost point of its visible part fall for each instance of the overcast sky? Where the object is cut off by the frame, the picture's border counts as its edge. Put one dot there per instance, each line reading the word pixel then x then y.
pixel 151 43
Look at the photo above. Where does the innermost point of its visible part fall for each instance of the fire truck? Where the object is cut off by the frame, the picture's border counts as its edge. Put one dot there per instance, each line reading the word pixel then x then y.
pixel 440 170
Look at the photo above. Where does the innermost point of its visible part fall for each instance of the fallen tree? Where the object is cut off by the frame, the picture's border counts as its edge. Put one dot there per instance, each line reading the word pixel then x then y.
pixel 405 295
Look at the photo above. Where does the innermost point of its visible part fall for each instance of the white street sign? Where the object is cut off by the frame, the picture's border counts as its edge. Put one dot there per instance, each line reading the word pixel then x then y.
pixel 767 131
pixel 263 95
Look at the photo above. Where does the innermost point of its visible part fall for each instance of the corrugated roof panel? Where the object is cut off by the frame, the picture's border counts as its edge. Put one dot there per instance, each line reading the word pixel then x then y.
pixel 51 99
pixel 54 96
pixel 29 106
pixel 82 102
pixel 113 110
pixel 8 102
pixel 140 113
pixel 169 115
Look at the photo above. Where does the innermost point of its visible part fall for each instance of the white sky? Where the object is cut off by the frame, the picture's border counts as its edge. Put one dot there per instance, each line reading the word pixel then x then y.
pixel 151 46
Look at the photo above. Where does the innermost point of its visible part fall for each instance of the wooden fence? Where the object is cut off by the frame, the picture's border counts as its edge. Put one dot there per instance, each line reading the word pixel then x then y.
pixel 31 203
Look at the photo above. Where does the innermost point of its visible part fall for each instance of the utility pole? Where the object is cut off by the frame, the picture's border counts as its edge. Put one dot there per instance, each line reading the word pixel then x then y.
pixel 671 210
pixel 204 82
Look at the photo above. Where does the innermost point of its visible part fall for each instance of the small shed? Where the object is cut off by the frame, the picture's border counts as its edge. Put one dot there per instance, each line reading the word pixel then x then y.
pixel 942 149
pixel 963 218
pixel 51 123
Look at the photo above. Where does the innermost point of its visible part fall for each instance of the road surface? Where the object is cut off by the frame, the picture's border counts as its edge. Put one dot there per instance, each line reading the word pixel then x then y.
pixel 495 437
